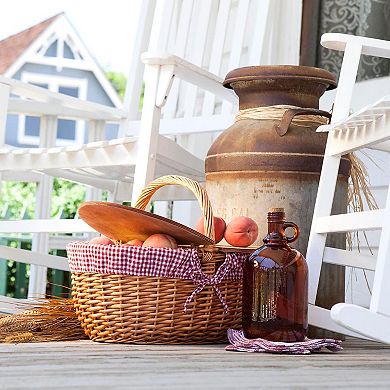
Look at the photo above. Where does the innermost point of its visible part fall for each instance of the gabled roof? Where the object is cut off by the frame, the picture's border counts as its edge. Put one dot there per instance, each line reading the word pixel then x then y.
pixel 12 48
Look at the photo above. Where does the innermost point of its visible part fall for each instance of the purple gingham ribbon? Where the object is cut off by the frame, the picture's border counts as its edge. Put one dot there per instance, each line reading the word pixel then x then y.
pixel 202 280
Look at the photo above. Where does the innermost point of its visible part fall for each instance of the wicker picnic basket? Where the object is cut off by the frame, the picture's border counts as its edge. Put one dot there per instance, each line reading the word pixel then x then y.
pixel 131 308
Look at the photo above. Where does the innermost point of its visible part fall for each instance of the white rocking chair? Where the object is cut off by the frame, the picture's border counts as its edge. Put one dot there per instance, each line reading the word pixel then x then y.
pixel 370 128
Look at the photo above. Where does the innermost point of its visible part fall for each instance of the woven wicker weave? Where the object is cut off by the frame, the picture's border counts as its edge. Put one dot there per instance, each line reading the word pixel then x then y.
pixel 140 309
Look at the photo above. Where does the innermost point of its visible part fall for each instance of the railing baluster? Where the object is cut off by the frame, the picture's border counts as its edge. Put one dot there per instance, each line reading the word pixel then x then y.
pixel 40 241
pixel 3 271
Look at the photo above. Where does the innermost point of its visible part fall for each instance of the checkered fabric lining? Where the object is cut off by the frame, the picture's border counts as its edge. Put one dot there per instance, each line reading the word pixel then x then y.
pixel 143 261
pixel 158 262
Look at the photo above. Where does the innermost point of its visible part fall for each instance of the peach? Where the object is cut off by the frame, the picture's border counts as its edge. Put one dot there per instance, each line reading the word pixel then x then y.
pixel 134 242
pixel 219 227
pixel 100 240
pixel 241 231
pixel 160 241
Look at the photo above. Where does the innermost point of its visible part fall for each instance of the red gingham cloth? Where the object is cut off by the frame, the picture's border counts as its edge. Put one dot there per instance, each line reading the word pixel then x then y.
pixel 157 262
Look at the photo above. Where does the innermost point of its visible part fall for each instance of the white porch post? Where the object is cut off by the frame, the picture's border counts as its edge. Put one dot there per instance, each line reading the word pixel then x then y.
pixel 40 241
pixel 4 96
pixel 95 133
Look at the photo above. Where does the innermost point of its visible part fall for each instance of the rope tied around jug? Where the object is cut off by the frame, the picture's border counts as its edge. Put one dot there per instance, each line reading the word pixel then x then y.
pixel 277 112
pixel 286 115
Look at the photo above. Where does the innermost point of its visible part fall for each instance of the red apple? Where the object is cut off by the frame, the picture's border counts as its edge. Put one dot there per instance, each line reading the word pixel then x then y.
pixel 160 241
pixel 219 227
pixel 134 242
pixel 241 231
pixel 100 240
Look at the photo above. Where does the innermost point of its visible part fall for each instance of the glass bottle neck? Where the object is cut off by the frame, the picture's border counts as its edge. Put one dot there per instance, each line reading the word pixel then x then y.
pixel 276 236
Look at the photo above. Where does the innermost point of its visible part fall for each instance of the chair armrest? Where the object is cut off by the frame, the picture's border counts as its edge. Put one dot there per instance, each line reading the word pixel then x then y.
pixel 370 46
pixel 191 73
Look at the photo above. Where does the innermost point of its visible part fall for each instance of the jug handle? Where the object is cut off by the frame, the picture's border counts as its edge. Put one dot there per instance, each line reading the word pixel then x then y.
pixel 289 115
pixel 296 231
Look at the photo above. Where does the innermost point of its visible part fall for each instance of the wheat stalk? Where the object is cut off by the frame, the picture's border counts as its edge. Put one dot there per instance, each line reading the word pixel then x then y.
pixel 52 319
pixel 25 337
pixel 358 191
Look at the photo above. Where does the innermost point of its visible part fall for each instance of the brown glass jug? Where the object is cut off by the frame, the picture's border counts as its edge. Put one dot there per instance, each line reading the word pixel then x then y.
pixel 275 282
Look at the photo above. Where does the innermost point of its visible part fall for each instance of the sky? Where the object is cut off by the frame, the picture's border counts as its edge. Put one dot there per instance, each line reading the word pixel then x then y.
pixel 106 27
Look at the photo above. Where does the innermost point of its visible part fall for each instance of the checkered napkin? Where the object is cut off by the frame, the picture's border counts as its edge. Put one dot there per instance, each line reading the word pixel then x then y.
pixel 157 262
pixel 238 342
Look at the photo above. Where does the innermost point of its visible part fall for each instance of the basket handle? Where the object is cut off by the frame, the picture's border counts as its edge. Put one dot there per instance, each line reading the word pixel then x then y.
pixel 199 192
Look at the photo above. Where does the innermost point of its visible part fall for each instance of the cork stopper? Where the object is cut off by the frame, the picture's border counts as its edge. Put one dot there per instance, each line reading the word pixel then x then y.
pixel 276 210
pixel 276 214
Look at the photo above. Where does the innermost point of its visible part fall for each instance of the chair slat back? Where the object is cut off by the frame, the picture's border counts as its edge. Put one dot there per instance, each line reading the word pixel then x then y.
pixel 237 42
pixel 218 35
pixel 179 40
pixel 140 44
pixel 259 32
pixel 162 20
pixel 217 51
pixel 196 48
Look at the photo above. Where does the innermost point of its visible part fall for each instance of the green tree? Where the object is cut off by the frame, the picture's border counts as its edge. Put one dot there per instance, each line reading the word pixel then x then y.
pixel 67 197
pixel 19 198
pixel 118 81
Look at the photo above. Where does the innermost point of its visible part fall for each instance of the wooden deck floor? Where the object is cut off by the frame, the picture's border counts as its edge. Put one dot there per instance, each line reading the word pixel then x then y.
pixel 85 364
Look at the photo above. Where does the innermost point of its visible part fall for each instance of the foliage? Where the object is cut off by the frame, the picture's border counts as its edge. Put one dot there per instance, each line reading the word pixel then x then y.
pixel 118 81
pixel 67 197
pixel 18 199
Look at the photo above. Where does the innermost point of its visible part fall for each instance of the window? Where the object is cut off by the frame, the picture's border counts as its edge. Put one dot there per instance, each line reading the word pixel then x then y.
pixel 68 52
pixel 52 50
pixel 59 46
pixel 32 122
pixel 68 131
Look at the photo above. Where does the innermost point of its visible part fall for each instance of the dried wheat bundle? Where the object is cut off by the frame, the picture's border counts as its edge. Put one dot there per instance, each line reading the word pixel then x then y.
pixel 52 319
pixel 359 192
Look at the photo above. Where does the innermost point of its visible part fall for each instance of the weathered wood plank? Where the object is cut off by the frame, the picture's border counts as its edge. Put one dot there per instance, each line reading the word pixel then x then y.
pixel 86 364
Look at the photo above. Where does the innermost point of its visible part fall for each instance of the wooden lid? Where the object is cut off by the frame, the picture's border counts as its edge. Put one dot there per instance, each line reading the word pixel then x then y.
pixel 279 72
pixel 126 223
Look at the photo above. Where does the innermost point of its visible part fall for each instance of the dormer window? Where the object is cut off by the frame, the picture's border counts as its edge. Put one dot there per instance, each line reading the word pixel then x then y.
pixel 59 47
pixel 51 51
pixel 68 52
